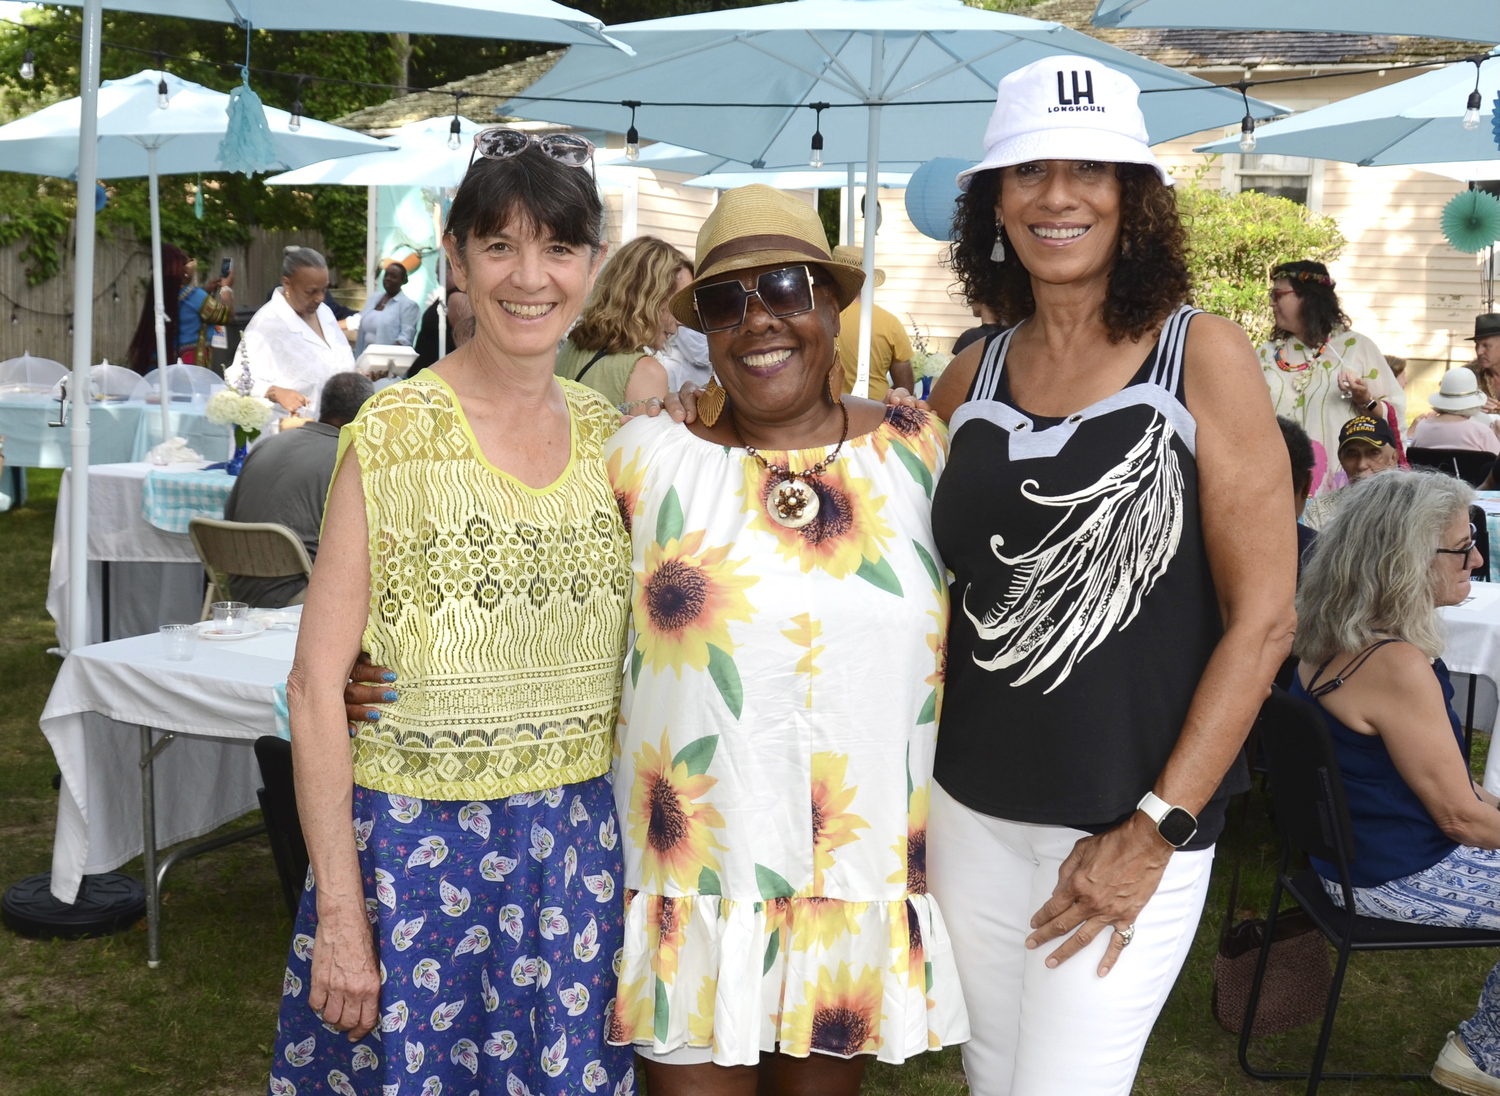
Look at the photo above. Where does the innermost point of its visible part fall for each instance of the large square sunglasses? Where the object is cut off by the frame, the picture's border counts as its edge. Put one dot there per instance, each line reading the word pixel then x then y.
pixel 784 292
pixel 503 143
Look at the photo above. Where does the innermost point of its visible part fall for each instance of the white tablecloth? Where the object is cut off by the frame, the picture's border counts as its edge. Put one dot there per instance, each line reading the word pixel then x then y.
pixel 1474 648
pixel 220 702
pixel 118 432
pixel 155 576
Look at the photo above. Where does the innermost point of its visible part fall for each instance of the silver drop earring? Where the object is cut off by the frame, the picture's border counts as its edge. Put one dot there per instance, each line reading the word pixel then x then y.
pixel 997 253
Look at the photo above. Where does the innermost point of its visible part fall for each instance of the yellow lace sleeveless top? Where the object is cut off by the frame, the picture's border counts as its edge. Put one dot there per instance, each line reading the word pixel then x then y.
pixel 501 608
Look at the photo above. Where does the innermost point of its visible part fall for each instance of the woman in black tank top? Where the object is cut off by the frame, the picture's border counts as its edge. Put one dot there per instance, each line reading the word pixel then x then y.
pixel 1116 517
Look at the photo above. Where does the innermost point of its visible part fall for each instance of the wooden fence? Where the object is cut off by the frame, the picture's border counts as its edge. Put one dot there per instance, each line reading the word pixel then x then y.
pixel 38 319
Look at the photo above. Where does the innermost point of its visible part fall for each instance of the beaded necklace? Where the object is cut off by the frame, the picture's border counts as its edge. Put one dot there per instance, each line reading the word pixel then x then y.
pixel 1302 375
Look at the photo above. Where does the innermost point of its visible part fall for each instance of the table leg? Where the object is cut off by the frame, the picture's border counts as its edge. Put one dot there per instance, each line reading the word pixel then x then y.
pixel 148 835
pixel 104 600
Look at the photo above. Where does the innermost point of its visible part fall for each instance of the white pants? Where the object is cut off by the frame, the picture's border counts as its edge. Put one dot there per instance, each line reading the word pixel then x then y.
pixel 1050 1032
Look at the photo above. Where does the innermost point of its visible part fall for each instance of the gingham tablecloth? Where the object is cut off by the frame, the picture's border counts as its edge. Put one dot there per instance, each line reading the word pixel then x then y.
pixel 171 498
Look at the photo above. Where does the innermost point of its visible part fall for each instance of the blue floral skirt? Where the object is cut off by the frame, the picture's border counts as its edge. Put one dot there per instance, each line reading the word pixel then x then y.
pixel 499 930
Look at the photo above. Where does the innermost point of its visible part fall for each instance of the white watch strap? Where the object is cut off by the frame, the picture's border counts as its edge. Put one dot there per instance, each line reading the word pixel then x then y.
pixel 1155 806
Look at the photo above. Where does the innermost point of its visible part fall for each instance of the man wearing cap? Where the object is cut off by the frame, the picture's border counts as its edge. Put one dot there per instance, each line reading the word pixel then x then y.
pixel 1460 421
pixel 1486 363
pixel 1366 446
pixel 890 349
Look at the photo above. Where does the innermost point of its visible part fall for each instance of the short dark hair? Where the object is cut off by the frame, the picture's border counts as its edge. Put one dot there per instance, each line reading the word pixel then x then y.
pixel 1299 449
pixel 1321 310
pixel 534 187
pixel 1150 276
pixel 343 395
pixel 295 258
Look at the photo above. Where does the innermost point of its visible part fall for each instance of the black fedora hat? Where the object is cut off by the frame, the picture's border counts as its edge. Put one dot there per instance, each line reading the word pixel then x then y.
pixel 1485 326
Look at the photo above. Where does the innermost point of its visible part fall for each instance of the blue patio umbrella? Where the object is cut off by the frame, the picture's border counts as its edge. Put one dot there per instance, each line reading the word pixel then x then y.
pixel 903 80
pixel 1416 121
pixel 1468 20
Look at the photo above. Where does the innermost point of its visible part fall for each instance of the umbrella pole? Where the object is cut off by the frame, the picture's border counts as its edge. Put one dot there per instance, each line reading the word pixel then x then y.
pixel 83 326
pixel 442 279
pixel 872 196
pixel 849 209
pixel 162 361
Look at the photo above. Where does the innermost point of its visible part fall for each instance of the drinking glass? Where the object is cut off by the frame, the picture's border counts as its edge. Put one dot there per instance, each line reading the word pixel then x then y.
pixel 177 641
pixel 230 617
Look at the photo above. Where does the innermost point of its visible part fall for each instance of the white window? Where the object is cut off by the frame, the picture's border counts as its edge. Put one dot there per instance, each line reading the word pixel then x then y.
pixel 1297 178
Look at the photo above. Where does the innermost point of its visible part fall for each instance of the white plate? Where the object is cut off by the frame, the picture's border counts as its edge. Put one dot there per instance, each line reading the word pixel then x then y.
pixel 248 629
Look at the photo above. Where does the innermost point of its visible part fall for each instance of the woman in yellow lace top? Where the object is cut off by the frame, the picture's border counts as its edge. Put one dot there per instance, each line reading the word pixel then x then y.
pixel 472 544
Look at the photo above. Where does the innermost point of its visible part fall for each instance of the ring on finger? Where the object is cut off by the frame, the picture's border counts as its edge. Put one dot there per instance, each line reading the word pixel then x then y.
pixel 1126 935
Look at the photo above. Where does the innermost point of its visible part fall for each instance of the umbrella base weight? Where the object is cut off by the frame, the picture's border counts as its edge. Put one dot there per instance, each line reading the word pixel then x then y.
pixel 106 904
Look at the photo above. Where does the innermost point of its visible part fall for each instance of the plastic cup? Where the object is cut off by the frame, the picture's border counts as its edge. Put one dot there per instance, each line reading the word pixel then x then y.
pixel 177 642
pixel 230 617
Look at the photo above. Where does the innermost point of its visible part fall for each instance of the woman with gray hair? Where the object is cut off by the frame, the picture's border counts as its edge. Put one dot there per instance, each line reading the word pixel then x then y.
pixel 1368 640
pixel 293 344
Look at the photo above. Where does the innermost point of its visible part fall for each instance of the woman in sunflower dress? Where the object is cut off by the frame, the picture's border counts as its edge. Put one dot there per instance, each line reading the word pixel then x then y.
pixel 775 744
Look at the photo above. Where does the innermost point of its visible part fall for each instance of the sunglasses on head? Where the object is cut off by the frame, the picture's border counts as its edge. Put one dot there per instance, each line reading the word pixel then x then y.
pixel 503 143
pixel 784 292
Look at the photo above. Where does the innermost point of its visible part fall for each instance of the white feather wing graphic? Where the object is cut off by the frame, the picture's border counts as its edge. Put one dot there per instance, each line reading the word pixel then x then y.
pixel 1087 576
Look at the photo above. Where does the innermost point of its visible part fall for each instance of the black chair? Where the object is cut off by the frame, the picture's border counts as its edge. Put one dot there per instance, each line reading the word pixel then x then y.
pixel 1469 465
pixel 1312 814
pixel 1481 541
pixel 278 804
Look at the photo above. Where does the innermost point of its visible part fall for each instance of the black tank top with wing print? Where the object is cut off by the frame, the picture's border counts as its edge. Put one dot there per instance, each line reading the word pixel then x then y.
pixel 1083 610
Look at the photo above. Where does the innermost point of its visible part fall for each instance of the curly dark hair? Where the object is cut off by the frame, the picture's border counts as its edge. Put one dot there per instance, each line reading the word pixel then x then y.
pixel 1321 310
pixel 1150 276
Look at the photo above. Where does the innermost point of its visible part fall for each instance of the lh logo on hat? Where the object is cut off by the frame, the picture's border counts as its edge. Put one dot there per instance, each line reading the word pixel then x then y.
pixel 1079 93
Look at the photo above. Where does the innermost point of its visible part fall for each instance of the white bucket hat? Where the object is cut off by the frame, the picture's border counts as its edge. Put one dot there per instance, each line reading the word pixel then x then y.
pixel 1066 108
pixel 1458 392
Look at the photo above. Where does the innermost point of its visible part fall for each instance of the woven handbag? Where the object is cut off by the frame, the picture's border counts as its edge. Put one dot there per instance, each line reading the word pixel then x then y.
pixel 1298 972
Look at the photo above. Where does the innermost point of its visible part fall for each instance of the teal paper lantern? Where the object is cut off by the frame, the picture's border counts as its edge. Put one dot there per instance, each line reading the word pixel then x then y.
pixel 930 196
pixel 1471 220
pixel 247 144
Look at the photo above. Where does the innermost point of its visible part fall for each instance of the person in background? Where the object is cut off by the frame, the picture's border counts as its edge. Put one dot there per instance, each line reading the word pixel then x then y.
pixel 1320 373
pixel 1367 445
pixel 285 480
pixel 294 345
pixel 1486 363
pixel 890 348
pixel 988 327
pixel 426 344
pixel 1368 639
pixel 626 317
pixel 388 318
pixel 1460 421
pixel 1299 449
pixel 1398 369
pixel 189 325
pixel 686 359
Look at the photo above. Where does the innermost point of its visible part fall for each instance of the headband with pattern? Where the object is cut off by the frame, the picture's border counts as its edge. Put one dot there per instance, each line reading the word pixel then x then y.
pixel 1304 276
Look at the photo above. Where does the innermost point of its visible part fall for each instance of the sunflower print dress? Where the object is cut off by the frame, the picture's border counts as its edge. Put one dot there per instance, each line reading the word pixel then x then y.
pixel 774 751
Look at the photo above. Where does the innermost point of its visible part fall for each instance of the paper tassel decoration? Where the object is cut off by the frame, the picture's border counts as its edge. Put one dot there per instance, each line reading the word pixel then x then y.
pixel 1471 220
pixel 1495 121
pixel 247 145
pixel 930 196
pixel 198 200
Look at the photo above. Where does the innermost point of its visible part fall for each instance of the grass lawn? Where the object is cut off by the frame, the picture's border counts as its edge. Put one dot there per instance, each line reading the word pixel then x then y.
pixel 89 1017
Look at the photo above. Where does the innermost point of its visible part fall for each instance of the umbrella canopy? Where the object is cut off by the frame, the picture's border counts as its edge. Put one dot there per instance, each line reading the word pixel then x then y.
pixel 1469 20
pixel 905 79
pixel 1415 121
pixel 530 20
pixel 806 179
pixel 185 135
pixel 1465 171
pixel 415 155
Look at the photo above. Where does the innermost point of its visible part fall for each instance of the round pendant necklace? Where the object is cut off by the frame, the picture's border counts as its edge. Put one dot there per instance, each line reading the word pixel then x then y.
pixel 793 503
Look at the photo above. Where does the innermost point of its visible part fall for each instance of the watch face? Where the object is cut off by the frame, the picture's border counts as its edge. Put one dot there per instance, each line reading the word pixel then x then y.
pixel 1177 827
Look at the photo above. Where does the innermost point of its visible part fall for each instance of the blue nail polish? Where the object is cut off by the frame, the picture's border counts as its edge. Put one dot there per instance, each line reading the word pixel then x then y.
pixel 372 715
pixel 390 694
pixel 388 676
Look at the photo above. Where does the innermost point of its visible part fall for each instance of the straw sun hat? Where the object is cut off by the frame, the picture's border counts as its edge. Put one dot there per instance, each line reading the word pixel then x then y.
pixel 753 226
pixel 855 256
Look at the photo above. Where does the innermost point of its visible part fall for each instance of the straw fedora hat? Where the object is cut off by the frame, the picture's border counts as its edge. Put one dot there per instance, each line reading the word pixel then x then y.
pixel 755 225
pixel 855 256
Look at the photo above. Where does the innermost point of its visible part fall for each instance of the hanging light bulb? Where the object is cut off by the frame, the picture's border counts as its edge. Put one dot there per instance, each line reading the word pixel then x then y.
pixel 455 134
pixel 14 319
pixel 1247 134
pixel 162 101
pixel 28 66
pixel 294 123
pixel 1471 116
pixel 815 158
pixel 632 135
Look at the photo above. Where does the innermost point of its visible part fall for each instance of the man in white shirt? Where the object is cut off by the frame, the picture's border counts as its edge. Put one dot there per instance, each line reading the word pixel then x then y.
pixel 294 343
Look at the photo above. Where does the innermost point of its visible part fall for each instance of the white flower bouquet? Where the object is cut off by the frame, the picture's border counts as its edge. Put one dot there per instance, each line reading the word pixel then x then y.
pixel 247 414
pixel 925 362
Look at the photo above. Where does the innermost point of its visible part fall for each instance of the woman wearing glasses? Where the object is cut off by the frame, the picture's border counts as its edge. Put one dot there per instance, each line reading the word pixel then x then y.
pixel 465 854
pixel 1425 835
pixel 1321 374
pixel 776 733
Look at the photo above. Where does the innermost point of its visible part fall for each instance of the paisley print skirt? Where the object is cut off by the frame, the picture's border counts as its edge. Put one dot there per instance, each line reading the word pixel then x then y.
pixel 499 935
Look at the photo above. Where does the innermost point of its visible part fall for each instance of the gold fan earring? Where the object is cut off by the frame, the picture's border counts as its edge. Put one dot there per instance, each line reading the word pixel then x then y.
pixel 711 401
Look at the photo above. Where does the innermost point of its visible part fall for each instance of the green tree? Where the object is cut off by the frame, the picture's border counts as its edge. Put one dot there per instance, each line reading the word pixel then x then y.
pixel 1237 239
